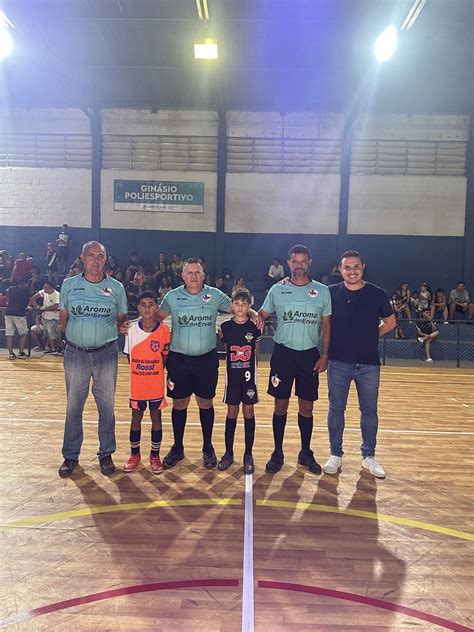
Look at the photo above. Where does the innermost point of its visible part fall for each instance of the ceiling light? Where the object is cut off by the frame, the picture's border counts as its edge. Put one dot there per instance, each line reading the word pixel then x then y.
pixel 206 49
pixel 386 44
pixel 6 40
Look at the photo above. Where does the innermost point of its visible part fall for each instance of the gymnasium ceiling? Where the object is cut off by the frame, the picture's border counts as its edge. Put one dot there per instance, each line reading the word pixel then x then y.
pixel 273 55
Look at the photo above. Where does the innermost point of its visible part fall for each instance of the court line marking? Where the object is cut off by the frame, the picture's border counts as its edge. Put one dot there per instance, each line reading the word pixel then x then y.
pixel 368 601
pixel 222 424
pixel 109 594
pixel 407 522
pixel 100 509
pixel 247 581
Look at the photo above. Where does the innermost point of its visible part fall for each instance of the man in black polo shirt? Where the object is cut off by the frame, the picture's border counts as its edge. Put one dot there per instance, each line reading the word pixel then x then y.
pixel 361 314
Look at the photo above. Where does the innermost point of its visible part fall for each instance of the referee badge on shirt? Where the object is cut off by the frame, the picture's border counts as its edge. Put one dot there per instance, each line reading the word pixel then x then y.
pixel 275 380
pixel 206 298
pixel 155 345
pixel 170 384
pixel 249 337
pixel 313 293
pixel 107 291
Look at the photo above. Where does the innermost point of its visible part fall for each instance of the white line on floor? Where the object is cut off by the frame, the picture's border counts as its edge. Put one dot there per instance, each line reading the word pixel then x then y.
pixel 247 582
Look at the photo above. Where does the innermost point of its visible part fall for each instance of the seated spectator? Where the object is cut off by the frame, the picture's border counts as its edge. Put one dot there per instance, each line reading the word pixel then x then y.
pixel 207 277
pixel 21 269
pixel 139 276
pixel 425 296
pixel 50 314
pixel 51 263
pixel 112 267
pixel 35 283
pixel 220 285
pixel 39 335
pixel 439 304
pixel 15 317
pixel 415 305
pixel 228 277
pixel 76 268
pixel 134 260
pixel 163 288
pixel 405 296
pixel 397 305
pixel 176 268
pixel 335 276
pixel 427 332
pixel 5 264
pixel 458 300
pixel 275 273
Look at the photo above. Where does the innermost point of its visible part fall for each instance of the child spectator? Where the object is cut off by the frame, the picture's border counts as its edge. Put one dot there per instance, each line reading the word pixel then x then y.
pixel 147 345
pixel 398 306
pixel 427 332
pixel 405 296
pixel 63 242
pixel 50 314
pixel 440 304
pixel 241 337
pixel 425 296
pixel 51 263
pixel 164 288
pixel 15 317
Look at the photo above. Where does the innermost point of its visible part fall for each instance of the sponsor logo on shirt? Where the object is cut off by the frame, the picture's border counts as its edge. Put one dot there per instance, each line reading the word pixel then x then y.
pixel 297 316
pixel 249 337
pixel 195 321
pixel 313 293
pixel 181 298
pixel 107 291
pixel 206 298
pixel 91 310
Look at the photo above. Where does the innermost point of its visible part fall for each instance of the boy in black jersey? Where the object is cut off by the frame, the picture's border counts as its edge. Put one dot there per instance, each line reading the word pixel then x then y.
pixel 242 338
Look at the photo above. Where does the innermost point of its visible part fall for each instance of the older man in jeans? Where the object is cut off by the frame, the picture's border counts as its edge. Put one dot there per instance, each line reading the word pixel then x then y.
pixel 92 305
pixel 361 314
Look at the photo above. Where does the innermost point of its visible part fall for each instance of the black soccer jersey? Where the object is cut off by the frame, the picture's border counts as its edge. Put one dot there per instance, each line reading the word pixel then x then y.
pixel 240 340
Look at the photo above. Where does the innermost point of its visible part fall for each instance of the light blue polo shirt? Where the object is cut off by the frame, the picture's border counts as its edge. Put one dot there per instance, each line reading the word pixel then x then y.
pixel 92 309
pixel 194 316
pixel 299 309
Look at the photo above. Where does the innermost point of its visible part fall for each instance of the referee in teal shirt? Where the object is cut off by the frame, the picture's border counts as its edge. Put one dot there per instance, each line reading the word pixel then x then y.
pixel 92 306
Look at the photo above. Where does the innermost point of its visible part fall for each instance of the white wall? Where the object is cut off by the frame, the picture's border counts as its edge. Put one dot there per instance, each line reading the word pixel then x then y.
pixel 161 123
pixel 44 196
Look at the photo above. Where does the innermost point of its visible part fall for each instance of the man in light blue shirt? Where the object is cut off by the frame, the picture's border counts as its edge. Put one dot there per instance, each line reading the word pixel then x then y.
pixel 91 307
pixel 302 307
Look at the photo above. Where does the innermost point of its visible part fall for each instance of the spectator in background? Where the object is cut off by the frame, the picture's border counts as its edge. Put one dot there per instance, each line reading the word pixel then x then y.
pixel 459 300
pixel 176 271
pixel 415 305
pixel 228 277
pixel 5 264
pixel 220 285
pixel 405 295
pixel 427 332
pixel 164 288
pixel 51 263
pixel 35 283
pixel 15 317
pixel 21 269
pixel 112 267
pixel 397 305
pixel 134 260
pixel 50 314
pixel 161 272
pixel 440 304
pixel 275 273
pixel 76 268
pixel 425 296
pixel 63 242
pixel 207 276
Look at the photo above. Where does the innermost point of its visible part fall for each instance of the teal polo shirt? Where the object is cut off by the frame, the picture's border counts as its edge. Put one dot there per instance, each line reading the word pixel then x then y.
pixel 92 309
pixel 193 317
pixel 299 309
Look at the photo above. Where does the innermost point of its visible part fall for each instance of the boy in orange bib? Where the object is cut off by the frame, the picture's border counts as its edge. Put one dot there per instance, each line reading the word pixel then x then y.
pixel 147 345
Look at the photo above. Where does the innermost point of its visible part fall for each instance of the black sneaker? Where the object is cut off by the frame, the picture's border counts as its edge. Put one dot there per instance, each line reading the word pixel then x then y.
pixel 306 458
pixel 225 462
pixel 22 355
pixel 275 463
pixel 249 467
pixel 209 458
pixel 67 468
pixel 12 356
pixel 107 465
pixel 174 455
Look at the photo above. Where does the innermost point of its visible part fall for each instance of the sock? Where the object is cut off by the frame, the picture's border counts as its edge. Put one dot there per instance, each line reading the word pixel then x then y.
pixel 279 423
pixel 249 427
pixel 306 430
pixel 156 436
pixel 178 417
pixel 135 436
pixel 206 415
pixel 230 425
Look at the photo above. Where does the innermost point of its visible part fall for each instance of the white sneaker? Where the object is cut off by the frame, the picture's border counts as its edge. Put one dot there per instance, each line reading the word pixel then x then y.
pixel 375 469
pixel 429 360
pixel 332 465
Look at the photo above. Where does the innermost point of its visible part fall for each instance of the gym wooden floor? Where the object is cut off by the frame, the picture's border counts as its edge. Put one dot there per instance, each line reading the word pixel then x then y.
pixel 141 552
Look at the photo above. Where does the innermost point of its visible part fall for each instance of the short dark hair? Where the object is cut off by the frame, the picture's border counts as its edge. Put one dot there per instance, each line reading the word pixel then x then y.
pixel 460 282
pixel 242 294
pixel 148 294
pixel 50 283
pixel 299 249
pixel 351 253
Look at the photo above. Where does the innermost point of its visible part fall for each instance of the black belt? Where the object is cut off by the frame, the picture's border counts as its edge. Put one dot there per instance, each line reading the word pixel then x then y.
pixel 91 349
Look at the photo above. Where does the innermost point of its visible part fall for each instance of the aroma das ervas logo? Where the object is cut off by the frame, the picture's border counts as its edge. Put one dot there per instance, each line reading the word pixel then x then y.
pixel 288 316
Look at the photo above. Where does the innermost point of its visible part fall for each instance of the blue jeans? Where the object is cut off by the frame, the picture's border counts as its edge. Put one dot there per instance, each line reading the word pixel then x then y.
pixel 79 368
pixel 367 380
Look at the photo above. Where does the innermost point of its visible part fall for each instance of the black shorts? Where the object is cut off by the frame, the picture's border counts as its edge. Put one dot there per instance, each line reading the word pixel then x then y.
pixel 153 404
pixel 287 366
pixel 245 393
pixel 192 374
